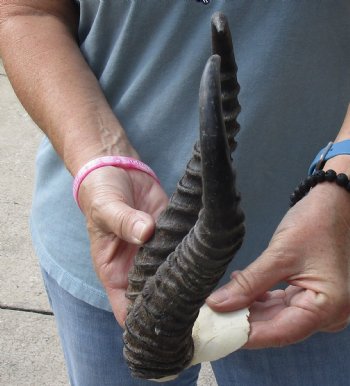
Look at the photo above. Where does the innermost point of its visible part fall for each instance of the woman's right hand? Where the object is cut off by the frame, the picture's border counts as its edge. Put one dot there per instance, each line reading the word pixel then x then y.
pixel 121 207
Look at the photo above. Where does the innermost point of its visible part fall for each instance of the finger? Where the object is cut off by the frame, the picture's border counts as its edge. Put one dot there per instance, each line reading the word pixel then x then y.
pixel 248 285
pixel 276 294
pixel 272 303
pixel 289 326
pixel 279 293
pixel 119 304
pixel 112 260
pixel 266 310
pixel 339 326
pixel 300 316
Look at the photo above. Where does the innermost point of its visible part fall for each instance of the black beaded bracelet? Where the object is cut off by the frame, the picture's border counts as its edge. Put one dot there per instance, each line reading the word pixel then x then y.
pixel 305 186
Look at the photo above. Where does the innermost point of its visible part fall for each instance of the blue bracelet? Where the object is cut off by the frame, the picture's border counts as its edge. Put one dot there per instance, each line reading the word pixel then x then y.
pixel 330 151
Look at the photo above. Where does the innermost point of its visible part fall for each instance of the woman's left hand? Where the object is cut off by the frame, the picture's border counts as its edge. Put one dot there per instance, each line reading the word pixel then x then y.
pixel 310 250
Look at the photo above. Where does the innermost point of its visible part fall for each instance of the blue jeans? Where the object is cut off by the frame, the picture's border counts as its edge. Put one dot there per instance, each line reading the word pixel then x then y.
pixel 321 360
pixel 92 343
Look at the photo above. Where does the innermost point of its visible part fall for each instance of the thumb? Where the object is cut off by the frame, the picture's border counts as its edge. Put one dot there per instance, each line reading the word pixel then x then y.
pixel 127 223
pixel 246 286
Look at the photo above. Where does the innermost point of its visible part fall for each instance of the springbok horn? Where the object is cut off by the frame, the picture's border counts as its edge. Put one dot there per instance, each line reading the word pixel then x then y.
pixel 184 205
pixel 158 336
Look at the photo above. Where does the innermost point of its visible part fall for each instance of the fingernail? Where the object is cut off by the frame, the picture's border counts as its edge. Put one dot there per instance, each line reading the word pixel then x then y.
pixel 219 296
pixel 139 231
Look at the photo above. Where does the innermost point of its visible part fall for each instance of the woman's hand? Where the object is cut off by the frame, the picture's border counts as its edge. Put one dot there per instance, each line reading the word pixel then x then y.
pixel 120 207
pixel 310 250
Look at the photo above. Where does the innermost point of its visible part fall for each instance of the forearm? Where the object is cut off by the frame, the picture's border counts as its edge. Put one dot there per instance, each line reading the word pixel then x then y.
pixel 58 89
pixel 341 163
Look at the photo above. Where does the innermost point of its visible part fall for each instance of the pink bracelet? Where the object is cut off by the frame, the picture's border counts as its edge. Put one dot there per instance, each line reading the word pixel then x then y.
pixel 117 161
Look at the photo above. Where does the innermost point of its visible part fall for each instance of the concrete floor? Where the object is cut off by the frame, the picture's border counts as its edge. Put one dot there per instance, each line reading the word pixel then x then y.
pixel 29 347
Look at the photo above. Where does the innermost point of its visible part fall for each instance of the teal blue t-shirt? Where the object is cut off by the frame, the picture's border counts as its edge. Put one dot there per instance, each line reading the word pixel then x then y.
pixel 293 67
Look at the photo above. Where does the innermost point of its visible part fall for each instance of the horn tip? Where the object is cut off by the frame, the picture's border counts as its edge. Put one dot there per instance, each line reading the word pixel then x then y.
pixel 219 22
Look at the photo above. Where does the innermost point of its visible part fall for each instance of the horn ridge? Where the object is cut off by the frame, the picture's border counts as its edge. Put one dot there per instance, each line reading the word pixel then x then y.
pixel 222 46
pixel 216 161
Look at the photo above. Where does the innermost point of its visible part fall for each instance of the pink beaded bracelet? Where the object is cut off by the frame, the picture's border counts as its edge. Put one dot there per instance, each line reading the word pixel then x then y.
pixel 117 161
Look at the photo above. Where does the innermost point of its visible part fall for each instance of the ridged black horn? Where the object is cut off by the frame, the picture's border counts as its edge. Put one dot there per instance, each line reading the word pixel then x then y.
pixel 157 338
pixel 184 205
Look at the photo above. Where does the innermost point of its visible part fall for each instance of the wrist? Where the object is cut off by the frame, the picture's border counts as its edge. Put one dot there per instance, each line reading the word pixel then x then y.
pixel 126 163
pixel 331 164
pixel 330 152
pixel 77 161
pixel 89 194
pixel 335 198
pixel 107 139
pixel 340 164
